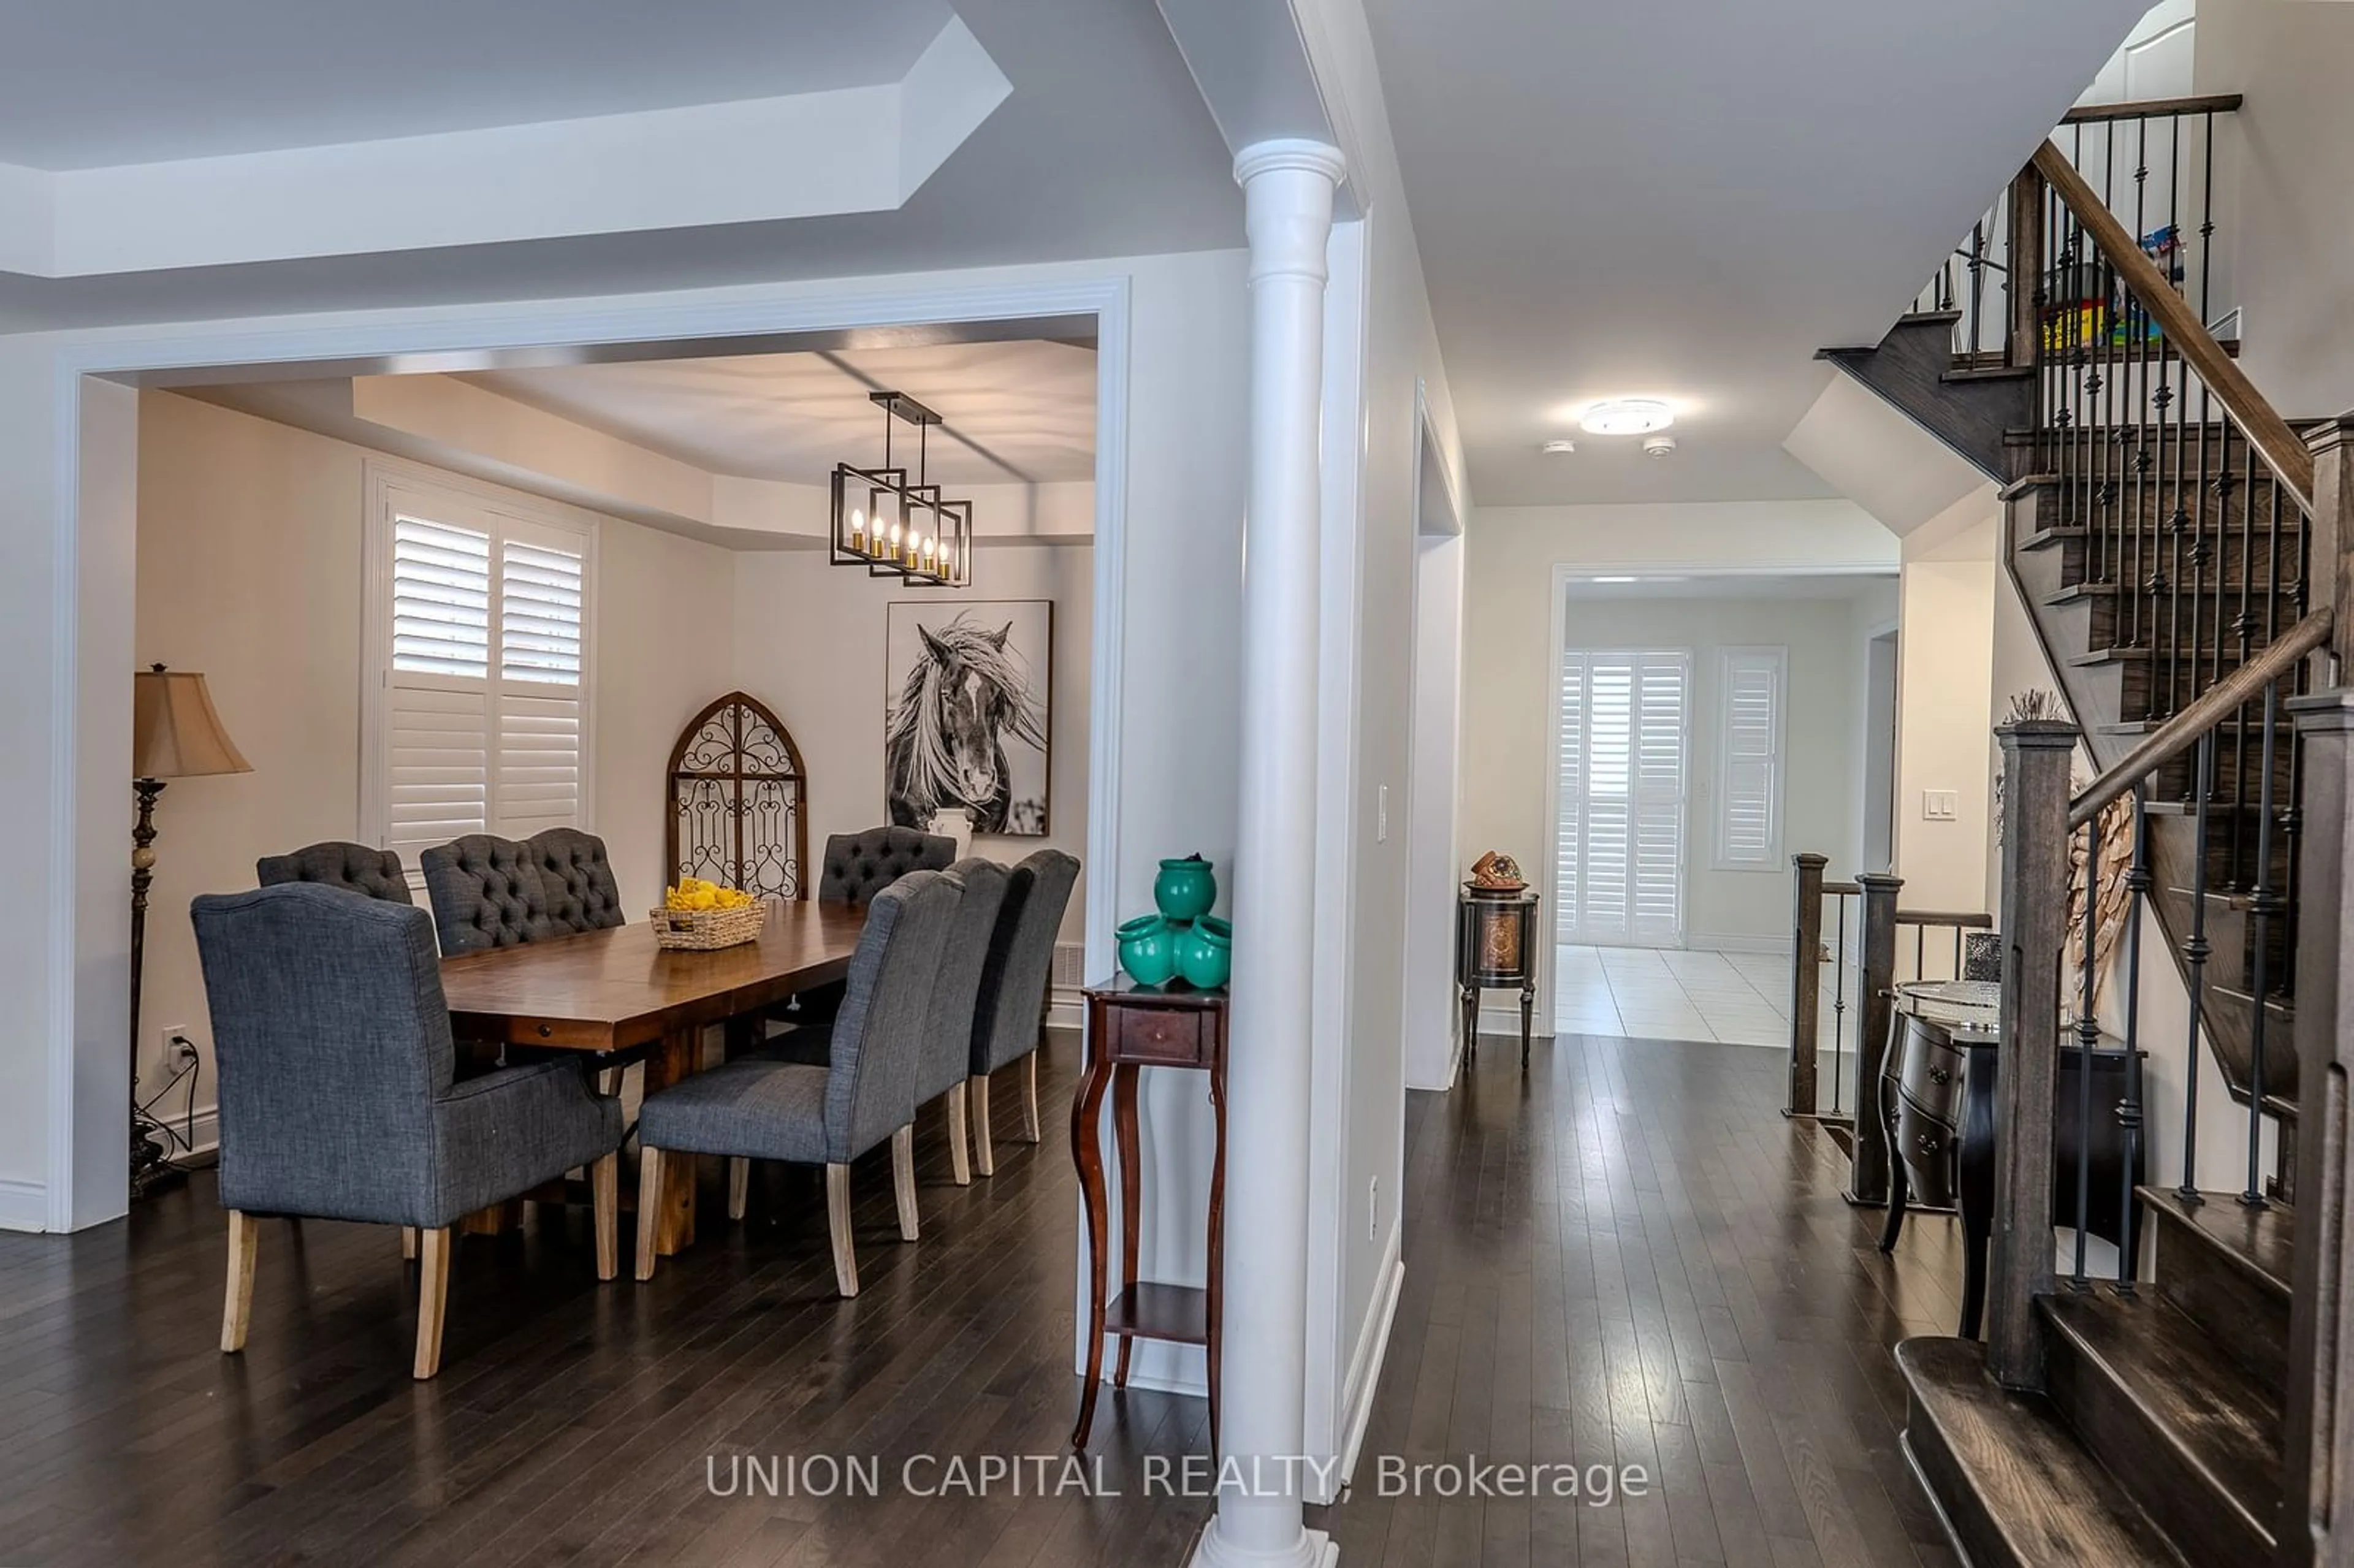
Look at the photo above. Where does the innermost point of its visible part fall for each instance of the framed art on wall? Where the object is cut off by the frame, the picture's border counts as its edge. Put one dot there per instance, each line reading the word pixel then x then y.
pixel 968 694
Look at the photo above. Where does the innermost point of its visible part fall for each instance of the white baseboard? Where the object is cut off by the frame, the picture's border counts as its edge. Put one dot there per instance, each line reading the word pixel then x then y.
pixel 204 1139
pixel 1506 1021
pixel 1366 1362
pixel 24 1205
pixel 1729 943
pixel 1066 1009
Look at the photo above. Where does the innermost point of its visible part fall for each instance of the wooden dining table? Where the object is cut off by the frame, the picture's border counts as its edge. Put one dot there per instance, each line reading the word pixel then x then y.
pixel 616 993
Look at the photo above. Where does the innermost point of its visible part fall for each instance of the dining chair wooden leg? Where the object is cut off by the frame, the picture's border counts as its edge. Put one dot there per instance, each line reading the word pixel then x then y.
pixel 432 1299
pixel 984 1154
pixel 1030 1133
pixel 739 1185
pixel 837 1224
pixel 605 1206
pixel 408 1244
pixel 237 1304
pixel 902 1178
pixel 650 1202
pixel 959 1162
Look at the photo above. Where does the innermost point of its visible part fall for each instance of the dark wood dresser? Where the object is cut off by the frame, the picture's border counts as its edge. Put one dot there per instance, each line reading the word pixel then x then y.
pixel 1936 1100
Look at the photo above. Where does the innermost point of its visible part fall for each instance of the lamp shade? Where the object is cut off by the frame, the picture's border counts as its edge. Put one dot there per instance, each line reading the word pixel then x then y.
pixel 175 733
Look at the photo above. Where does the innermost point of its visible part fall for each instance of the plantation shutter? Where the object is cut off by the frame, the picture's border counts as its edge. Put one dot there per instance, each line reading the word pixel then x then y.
pixel 1619 859
pixel 436 761
pixel 540 706
pixel 1749 801
pixel 483 725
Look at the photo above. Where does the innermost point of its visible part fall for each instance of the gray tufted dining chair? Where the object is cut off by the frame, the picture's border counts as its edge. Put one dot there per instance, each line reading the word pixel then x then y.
pixel 576 877
pixel 338 1098
pixel 1009 1018
pixel 859 865
pixel 486 892
pixel 947 1024
pixel 764 1107
pixel 370 873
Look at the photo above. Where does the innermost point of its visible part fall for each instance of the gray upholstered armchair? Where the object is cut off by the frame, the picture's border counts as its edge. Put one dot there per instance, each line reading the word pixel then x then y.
pixel 370 873
pixel 337 1096
pixel 948 1025
pixel 577 878
pixel 487 891
pixel 1009 1017
pixel 860 865
pixel 763 1107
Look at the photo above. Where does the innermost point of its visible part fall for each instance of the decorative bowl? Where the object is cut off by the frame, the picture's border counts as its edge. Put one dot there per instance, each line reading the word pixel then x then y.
pixel 1185 888
pixel 1205 953
pixel 1148 950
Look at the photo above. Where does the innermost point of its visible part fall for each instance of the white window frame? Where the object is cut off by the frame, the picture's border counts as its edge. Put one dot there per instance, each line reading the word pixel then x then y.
pixel 1776 659
pixel 393 487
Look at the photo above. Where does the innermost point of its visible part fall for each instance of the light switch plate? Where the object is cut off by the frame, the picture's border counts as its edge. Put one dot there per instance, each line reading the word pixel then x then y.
pixel 1939 806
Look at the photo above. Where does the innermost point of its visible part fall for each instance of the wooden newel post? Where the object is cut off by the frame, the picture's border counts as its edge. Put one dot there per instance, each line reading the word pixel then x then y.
pixel 2026 274
pixel 2332 547
pixel 2036 756
pixel 1867 1180
pixel 2318 1447
pixel 1806 979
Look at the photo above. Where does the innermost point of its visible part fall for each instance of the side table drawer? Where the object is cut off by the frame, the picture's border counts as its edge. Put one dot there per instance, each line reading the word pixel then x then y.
pixel 1925 1145
pixel 1932 1075
pixel 1159 1036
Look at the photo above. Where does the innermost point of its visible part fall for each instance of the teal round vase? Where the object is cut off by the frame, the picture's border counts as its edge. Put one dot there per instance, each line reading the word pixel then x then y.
pixel 1185 888
pixel 1205 953
pixel 1148 950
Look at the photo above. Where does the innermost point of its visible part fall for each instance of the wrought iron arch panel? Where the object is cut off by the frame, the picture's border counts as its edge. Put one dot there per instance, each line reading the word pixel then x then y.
pixel 736 809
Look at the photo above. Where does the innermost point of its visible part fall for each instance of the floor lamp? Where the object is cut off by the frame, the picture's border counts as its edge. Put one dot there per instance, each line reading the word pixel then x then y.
pixel 175 734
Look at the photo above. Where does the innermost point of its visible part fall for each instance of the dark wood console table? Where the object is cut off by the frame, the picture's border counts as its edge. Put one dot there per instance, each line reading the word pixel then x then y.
pixel 1131 1027
pixel 1937 1102
pixel 1495 948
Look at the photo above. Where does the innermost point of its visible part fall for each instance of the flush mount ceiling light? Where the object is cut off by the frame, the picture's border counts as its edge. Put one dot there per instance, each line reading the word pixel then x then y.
pixel 1558 448
pixel 1627 417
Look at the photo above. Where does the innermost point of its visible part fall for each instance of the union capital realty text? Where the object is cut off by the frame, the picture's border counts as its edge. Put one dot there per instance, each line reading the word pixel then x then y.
pixel 1156 1475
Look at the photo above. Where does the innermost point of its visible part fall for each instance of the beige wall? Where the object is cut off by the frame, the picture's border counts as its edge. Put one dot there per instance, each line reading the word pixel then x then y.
pixel 250 570
pixel 1945 659
pixel 808 642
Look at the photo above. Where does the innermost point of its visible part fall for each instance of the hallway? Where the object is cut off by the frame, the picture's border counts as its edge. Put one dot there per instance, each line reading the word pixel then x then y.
pixel 1630 1257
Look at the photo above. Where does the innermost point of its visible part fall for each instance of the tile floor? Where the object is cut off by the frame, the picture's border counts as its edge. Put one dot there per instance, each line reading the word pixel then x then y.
pixel 1661 993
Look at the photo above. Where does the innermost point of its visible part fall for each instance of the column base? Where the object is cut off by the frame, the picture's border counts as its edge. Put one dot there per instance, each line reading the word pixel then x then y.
pixel 1315 1550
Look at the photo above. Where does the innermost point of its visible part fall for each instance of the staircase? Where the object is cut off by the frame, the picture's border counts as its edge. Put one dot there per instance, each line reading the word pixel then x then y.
pixel 2160 520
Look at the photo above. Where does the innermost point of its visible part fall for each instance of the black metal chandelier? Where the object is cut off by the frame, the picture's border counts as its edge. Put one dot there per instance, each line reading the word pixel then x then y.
pixel 893 527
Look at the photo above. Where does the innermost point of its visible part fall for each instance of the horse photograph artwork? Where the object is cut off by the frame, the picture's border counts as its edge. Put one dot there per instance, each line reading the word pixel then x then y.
pixel 966 692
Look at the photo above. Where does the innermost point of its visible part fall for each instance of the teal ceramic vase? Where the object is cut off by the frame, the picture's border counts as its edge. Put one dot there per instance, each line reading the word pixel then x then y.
pixel 1205 954
pixel 1185 888
pixel 1148 950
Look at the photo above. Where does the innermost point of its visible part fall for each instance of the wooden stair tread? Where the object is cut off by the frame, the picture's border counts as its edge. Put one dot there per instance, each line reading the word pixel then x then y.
pixel 2223 1424
pixel 2256 1242
pixel 2046 1498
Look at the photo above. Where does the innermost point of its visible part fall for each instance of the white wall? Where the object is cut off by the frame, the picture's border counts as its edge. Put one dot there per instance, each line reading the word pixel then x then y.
pixel 1744 909
pixel 251 538
pixel 1944 726
pixel 2284 216
pixel 808 642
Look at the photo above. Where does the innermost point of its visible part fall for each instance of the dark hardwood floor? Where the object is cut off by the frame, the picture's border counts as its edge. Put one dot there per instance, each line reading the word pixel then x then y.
pixel 1627 1259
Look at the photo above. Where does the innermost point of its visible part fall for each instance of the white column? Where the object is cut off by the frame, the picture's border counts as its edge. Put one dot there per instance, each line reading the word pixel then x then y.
pixel 1288 187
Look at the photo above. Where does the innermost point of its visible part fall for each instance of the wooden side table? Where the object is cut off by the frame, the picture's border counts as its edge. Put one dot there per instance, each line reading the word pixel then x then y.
pixel 1131 1027
pixel 1495 947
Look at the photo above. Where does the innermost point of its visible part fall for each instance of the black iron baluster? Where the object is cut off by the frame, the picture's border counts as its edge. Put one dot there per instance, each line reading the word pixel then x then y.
pixel 2207 227
pixel 2088 1039
pixel 2263 905
pixel 1838 1009
pixel 2150 576
pixel 2244 630
pixel 2194 960
pixel 2177 519
pixel 2138 884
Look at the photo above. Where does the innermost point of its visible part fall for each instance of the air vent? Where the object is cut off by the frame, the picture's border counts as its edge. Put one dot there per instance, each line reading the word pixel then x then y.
pixel 1070 970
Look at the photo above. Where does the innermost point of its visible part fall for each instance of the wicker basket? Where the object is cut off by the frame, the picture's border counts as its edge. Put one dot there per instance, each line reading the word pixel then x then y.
pixel 705 931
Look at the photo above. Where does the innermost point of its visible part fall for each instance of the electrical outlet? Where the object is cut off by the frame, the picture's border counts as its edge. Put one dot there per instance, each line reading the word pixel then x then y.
pixel 1373 1209
pixel 179 1048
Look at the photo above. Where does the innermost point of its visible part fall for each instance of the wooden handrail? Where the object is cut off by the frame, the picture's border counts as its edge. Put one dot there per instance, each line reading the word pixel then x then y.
pixel 2208 709
pixel 2152 109
pixel 2283 452
pixel 1977 922
pixel 1844 889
